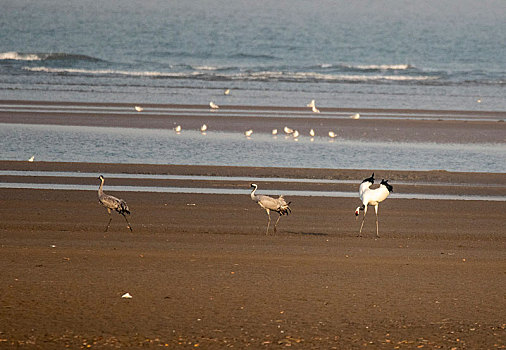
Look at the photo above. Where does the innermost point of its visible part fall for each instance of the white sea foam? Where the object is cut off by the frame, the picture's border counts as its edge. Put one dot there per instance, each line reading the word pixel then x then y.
pixel 210 68
pixel 334 77
pixel 41 56
pixel 368 67
pixel 106 72
pixel 263 75
pixel 16 56
pixel 381 67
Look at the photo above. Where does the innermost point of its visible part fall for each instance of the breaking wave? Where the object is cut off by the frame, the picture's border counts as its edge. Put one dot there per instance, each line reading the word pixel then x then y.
pixel 370 67
pixel 24 56
pixel 382 67
pixel 102 72
pixel 211 73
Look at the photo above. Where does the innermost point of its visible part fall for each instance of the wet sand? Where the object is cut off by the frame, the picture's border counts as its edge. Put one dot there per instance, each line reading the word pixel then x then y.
pixel 374 125
pixel 202 272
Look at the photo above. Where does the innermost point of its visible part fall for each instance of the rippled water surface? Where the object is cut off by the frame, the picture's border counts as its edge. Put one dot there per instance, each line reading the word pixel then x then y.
pixel 150 146
pixel 208 190
pixel 446 54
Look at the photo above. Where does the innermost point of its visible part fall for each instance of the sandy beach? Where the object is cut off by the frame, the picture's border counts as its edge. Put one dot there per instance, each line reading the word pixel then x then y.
pixel 203 274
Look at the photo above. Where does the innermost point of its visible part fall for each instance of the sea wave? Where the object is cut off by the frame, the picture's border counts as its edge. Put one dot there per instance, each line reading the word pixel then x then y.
pixel 27 56
pixel 369 67
pixel 316 77
pixel 210 68
pixel 254 56
pixel 209 73
pixel 17 56
pixel 103 72
pixel 382 67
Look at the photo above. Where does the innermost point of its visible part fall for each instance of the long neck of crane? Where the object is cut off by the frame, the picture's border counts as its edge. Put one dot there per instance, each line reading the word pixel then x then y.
pixel 253 196
pixel 100 188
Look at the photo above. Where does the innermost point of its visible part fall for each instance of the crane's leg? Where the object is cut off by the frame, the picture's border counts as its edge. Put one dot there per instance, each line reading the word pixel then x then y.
pixel 376 211
pixel 268 222
pixel 110 219
pixel 276 224
pixel 129 226
pixel 363 219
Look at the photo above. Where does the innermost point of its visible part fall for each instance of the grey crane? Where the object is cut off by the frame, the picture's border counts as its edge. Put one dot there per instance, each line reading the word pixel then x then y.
pixel 372 197
pixel 112 203
pixel 279 205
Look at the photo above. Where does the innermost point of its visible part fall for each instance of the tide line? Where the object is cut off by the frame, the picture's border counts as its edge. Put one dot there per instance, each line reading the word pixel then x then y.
pixel 230 191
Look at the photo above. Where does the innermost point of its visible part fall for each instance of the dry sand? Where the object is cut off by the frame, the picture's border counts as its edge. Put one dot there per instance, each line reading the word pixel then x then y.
pixel 202 272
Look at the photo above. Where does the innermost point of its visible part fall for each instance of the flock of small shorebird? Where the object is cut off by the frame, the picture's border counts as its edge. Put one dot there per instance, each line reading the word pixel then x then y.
pixel 367 196
pixel 288 131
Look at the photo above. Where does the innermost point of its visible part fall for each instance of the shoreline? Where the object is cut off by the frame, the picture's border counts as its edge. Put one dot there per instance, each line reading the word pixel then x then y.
pixel 202 272
pixel 442 129
pixel 499 114
pixel 223 179
pixel 239 178
pixel 223 170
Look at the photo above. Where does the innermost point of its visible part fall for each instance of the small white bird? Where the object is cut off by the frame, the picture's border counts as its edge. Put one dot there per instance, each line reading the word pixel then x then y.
pixel 177 129
pixel 332 134
pixel 213 105
pixel 226 92
pixel 126 296
pixel 311 133
pixel 248 132
pixel 288 130
pixel 274 131
pixel 295 134
pixel 315 110
pixel 311 104
pixel 355 116
pixel 139 108
pixel 31 158
pixel 203 128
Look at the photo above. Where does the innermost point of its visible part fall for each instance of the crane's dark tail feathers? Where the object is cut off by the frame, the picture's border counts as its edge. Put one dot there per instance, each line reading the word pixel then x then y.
pixel 123 208
pixel 285 209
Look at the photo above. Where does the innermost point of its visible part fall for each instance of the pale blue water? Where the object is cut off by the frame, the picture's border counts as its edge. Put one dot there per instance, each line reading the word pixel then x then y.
pixel 207 190
pixel 152 146
pixel 200 188
pixel 444 54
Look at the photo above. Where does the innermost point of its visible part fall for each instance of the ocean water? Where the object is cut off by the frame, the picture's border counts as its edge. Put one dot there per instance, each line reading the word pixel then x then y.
pixel 447 54
pixel 153 146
